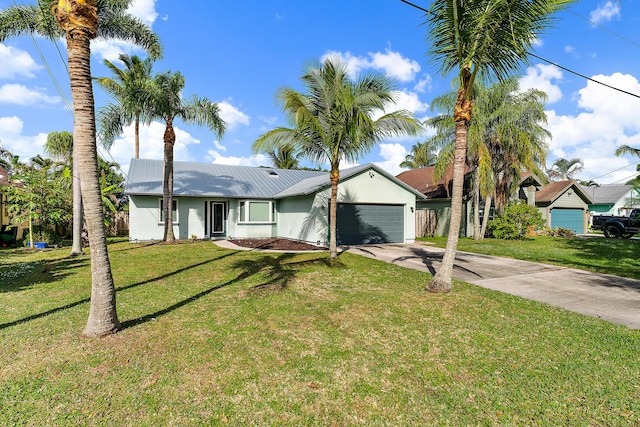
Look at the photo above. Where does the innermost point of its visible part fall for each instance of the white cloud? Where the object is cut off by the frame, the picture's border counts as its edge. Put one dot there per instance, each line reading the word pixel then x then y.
pixel 392 64
pixel 393 155
pixel 16 62
pixel 537 42
pixel 605 12
pixel 606 122
pixel 542 77
pixel 21 95
pixel 145 10
pixel 395 65
pixel 231 115
pixel 256 160
pixel 424 85
pixel 219 146
pixel 151 144
pixel 408 101
pixel 12 139
pixel 111 49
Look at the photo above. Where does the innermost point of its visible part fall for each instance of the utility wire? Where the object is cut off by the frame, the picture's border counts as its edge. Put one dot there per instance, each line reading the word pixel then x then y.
pixel 547 61
pixel 613 33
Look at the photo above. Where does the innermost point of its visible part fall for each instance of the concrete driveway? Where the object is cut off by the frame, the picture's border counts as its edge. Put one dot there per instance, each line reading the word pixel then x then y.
pixel 611 298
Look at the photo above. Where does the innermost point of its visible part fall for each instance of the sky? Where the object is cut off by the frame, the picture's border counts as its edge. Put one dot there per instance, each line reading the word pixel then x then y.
pixel 238 54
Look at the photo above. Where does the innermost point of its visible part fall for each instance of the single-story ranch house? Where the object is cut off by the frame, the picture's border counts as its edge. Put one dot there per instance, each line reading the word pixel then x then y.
pixel 223 201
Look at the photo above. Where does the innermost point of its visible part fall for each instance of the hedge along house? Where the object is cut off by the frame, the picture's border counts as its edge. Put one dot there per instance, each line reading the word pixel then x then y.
pixel 223 201
pixel 563 204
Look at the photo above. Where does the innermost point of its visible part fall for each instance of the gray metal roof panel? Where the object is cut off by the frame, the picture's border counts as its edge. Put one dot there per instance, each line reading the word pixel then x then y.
pixel 212 180
pixel 607 193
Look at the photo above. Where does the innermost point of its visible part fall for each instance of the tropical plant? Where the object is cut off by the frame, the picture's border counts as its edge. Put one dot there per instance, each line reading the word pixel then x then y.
pixel 515 221
pixel 130 87
pixel 168 105
pixel 505 138
pixel 39 196
pixel 563 169
pixel 334 121
pixel 284 157
pixel 422 155
pixel 626 149
pixel 80 21
pixel 485 38
pixel 60 146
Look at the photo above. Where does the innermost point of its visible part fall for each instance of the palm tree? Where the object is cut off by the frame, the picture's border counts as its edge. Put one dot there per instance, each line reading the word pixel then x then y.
pixel 80 21
pixel 563 169
pixel 505 137
pixel 485 38
pixel 626 149
pixel 422 155
pixel 130 88
pixel 284 157
pixel 60 145
pixel 334 121
pixel 168 105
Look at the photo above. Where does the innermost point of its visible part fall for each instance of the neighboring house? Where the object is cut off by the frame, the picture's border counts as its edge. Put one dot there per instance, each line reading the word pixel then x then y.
pixel 222 201
pixel 612 199
pixel 563 204
pixel 437 198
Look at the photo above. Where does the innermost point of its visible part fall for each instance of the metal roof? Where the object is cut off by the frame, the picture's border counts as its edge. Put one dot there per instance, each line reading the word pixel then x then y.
pixel 607 193
pixel 211 180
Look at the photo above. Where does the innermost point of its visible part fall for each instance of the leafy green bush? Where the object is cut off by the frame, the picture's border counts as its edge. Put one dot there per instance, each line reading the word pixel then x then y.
pixel 515 220
pixel 557 232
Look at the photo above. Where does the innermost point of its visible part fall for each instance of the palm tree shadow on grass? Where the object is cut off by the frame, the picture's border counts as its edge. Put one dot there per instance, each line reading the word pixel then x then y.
pixel 120 289
pixel 44 272
pixel 277 270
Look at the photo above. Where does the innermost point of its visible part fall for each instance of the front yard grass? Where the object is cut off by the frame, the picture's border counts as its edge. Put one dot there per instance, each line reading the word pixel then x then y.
pixel 620 257
pixel 219 337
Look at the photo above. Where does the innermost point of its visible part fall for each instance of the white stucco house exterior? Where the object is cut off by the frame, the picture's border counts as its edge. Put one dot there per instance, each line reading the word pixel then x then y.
pixel 223 201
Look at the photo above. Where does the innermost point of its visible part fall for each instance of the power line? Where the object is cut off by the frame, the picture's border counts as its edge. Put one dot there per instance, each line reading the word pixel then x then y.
pixel 547 61
pixel 615 170
pixel 613 33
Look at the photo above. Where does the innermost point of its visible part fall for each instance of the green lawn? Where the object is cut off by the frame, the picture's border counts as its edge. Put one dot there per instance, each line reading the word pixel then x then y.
pixel 619 257
pixel 218 337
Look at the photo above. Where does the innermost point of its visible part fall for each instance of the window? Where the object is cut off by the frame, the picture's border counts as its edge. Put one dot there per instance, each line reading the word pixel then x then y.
pixel 174 211
pixel 257 212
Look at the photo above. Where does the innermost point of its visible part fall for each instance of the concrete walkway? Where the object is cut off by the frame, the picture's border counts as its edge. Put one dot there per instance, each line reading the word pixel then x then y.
pixel 611 298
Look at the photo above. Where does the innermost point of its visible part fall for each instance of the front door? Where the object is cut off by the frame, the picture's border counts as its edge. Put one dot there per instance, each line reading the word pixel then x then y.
pixel 217 219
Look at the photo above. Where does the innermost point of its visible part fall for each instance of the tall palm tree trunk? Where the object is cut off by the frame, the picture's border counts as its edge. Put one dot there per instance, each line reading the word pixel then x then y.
pixel 167 185
pixel 485 217
pixel 442 282
pixel 137 137
pixel 476 206
pixel 76 246
pixel 103 319
pixel 333 213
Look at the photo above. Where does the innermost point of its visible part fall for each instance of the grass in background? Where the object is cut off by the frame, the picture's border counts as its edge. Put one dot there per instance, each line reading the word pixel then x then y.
pixel 611 256
pixel 217 337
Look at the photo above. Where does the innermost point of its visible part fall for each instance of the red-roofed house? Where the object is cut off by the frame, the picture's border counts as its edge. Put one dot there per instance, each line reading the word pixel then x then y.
pixel 562 204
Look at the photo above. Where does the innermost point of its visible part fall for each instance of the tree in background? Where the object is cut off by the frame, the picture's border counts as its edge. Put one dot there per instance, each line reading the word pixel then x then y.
pixel 422 155
pixel 60 146
pixel 505 138
pixel 478 38
pixel 80 21
pixel 40 197
pixel 563 169
pixel 168 105
pixel 284 157
pixel 334 122
pixel 130 88
pixel 626 149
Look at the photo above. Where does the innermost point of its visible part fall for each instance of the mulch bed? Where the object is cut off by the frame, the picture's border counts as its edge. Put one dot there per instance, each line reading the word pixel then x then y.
pixel 277 244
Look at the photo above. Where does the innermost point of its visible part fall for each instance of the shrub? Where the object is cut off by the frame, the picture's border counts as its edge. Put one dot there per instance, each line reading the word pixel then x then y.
pixel 515 220
pixel 557 232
